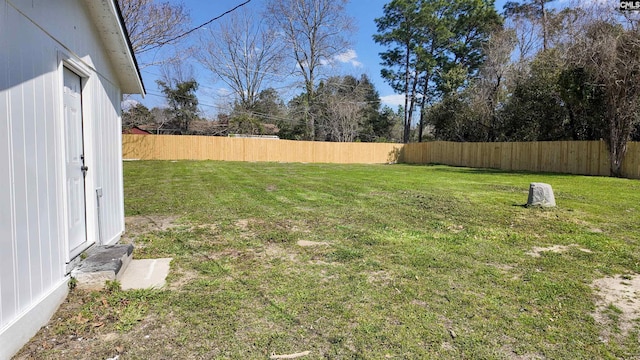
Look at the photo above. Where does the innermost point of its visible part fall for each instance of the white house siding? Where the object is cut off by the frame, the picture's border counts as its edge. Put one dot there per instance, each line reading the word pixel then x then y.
pixel 33 244
pixel 108 175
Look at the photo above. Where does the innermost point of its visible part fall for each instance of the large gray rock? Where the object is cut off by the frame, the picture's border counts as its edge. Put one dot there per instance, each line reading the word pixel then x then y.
pixel 541 194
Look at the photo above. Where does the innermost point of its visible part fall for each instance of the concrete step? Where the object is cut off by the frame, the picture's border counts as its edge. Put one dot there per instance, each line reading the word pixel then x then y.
pixel 146 274
pixel 102 263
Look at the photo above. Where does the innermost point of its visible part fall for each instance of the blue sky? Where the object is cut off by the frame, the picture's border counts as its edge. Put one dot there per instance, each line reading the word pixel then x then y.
pixel 362 58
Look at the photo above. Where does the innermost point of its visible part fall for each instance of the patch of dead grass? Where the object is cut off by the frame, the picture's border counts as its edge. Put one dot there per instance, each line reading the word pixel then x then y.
pixel 275 251
pixel 243 224
pixel 142 224
pixel 558 249
pixel 623 294
pixel 505 268
pixel 307 243
pixel 181 277
pixel 379 277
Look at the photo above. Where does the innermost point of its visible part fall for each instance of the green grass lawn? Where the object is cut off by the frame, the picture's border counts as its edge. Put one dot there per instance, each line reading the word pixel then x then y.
pixel 408 262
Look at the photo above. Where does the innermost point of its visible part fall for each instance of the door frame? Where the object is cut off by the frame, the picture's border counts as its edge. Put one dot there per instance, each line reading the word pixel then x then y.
pixel 72 63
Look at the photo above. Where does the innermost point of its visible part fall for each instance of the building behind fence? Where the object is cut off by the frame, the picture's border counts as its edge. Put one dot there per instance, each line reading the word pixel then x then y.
pixel 573 157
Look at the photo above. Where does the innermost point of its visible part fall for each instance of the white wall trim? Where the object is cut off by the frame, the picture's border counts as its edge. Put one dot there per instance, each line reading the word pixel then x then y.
pixel 74 64
pixel 18 332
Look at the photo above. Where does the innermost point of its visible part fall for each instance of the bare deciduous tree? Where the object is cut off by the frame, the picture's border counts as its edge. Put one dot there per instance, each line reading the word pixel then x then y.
pixel 315 31
pixel 342 124
pixel 537 15
pixel 161 118
pixel 152 24
pixel 343 100
pixel 525 34
pixel 609 52
pixel 244 53
pixel 490 88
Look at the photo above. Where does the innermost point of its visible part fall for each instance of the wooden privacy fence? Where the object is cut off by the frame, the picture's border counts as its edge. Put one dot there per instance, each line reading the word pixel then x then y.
pixel 172 147
pixel 573 157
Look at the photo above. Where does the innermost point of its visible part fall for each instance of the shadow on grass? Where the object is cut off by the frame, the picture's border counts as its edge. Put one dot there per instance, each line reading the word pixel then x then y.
pixel 445 168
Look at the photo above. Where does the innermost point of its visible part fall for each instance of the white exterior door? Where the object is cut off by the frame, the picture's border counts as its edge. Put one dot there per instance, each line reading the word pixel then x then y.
pixel 74 160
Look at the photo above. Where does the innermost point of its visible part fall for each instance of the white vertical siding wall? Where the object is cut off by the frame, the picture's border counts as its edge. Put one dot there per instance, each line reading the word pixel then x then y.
pixel 33 247
pixel 32 257
pixel 108 169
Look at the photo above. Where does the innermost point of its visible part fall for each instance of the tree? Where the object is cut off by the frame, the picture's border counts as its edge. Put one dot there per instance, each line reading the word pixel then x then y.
pixel 536 12
pixel 528 107
pixel 269 107
pixel 347 109
pixel 315 31
pixel 524 27
pixel 244 53
pixel 183 103
pixel 151 24
pixel 436 48
pixel 463 52
pixel 399 29
pixel 136 115
pixel 343 103
pixel 584 103
pixel 452 119
pixel 490 89
pixel 179 86
pixel 267 112
pixel 162 117
pixel 245 124
pixel 538 28
pixel 384 127
pixel 535 110
pixel 375 124
pixel 609 54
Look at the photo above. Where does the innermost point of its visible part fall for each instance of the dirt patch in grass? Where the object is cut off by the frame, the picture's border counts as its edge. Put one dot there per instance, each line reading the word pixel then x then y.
pixel 510 353
pixel 505 268
pixel 243 224
pixel 275 251
pixel 271 187
pixel 558 249
pixel 617 304
pixel 251 227
pixel 136 225
pixel 590 227
pixel 307 243
pixel 181 277
pixel 379 277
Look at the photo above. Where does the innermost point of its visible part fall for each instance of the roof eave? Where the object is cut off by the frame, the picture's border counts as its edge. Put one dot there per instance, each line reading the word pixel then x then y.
pixel 109 21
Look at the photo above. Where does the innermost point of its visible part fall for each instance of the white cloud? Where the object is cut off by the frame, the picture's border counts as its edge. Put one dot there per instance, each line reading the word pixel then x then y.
pixel 348 57
pixel 128 104
pixel 393 100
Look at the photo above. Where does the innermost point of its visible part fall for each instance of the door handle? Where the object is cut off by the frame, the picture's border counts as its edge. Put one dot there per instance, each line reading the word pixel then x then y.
pixel 84 170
